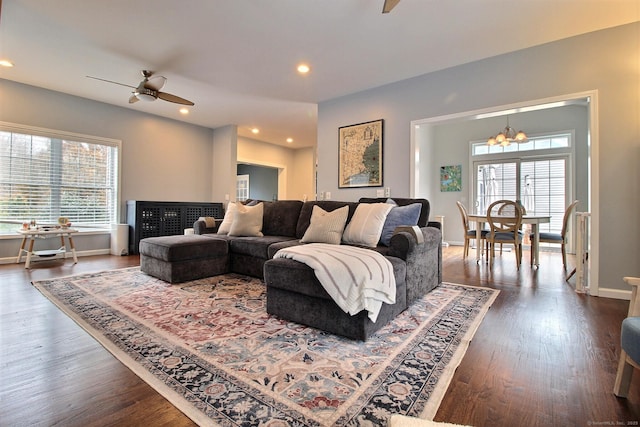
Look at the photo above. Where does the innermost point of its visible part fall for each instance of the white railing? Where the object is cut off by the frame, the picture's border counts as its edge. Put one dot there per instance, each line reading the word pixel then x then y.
pixel 582 252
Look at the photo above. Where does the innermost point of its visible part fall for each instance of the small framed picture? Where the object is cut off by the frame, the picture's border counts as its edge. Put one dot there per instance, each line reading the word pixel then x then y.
pixel 451 178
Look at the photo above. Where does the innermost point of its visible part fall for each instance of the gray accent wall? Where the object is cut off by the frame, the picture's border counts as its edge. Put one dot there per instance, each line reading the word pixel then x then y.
pixel 607 62
pixel 263 181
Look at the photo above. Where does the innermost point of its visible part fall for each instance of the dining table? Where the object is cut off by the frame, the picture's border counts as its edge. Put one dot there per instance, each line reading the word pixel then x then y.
pixel 532 219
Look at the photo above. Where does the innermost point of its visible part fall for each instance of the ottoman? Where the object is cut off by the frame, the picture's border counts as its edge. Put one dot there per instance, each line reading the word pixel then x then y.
pixel 181 258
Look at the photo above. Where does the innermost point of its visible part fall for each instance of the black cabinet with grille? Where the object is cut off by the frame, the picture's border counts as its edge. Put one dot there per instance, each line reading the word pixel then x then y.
pixel 152 219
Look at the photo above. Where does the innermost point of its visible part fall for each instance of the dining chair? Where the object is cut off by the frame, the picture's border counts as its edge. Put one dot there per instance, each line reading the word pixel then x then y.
pixel 557 238
pixel 629 342
pixel 505 219
pixel 469 233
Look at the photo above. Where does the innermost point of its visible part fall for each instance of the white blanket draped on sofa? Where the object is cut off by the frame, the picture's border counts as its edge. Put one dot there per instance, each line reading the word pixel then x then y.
pixel 356 278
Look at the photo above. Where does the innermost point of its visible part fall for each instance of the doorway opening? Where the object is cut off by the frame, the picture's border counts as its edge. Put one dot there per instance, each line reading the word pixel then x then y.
pixel 257 182
pixel 427 155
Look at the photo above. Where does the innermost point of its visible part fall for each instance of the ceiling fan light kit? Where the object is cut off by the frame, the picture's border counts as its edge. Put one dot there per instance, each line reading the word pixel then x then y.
pixel 144 94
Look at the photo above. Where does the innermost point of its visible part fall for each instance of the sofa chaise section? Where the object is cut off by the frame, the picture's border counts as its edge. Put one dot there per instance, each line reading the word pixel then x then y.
pixel 295 294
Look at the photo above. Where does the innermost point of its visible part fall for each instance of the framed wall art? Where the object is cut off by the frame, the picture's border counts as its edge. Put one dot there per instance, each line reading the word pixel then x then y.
pixel 451 178
pixel 360 155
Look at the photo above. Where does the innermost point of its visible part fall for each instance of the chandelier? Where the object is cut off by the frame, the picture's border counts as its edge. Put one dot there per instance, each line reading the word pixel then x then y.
pixel 507 136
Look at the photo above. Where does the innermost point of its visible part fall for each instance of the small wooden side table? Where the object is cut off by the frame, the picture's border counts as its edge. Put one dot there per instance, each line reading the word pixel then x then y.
pixel 45 233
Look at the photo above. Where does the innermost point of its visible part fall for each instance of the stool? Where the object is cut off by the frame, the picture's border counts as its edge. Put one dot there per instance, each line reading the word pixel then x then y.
pixel 182 258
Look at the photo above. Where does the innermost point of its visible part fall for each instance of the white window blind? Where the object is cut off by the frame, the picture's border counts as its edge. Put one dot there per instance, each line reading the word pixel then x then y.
pixel 44 177
pixel 545 187
pixel 537 173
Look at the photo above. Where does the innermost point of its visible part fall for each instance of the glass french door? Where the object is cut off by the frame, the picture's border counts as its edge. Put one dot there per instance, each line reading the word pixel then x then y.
pixel 495 181
pixel 541 184
pixel 242 187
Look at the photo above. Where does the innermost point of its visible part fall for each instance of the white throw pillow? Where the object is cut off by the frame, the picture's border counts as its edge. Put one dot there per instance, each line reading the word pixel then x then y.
pixel 225 226
pixel 365 227
pixel 326 227
pixel 247 221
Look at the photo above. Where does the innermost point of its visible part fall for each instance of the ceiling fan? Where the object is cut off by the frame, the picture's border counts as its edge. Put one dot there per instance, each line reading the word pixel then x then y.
pixel 149 89
pixel 388 5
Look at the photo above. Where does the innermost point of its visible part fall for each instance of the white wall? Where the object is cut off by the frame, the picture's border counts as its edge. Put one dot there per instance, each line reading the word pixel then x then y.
pixel 224 163
pixel 304 171
pixel 423 179
pixel 606 61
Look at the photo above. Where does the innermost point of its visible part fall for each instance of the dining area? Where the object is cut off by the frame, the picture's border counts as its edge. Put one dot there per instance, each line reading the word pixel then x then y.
pixel 506 225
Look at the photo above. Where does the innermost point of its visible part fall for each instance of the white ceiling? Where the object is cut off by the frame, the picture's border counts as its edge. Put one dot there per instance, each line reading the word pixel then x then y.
pixel 236 59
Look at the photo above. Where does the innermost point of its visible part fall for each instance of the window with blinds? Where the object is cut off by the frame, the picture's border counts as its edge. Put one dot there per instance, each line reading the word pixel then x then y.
pixel 44 177
pixel 541 185
pixel 538 173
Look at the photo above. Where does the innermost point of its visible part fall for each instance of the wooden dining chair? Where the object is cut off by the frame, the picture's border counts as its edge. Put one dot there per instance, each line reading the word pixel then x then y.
pixel 557 238
pixel 505 219
pixel 469 233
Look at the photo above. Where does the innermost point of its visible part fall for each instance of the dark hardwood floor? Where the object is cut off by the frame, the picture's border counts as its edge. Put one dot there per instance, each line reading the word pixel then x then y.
pixel 543 356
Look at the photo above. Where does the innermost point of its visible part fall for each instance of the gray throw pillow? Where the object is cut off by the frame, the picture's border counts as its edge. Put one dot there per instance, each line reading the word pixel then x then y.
pixel 399 215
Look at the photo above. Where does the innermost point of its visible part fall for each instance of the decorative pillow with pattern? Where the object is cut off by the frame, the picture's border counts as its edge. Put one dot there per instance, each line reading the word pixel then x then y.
pixel 326 227
pixel 365 227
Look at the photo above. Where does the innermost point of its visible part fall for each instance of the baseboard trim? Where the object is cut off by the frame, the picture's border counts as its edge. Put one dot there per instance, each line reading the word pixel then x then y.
pixel 614 293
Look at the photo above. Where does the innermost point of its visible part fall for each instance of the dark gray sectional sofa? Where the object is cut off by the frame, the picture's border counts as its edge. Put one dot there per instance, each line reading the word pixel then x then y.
pixel 293 291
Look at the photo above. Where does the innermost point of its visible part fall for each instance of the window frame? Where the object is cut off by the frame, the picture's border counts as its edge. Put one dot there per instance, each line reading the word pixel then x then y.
pixel 78 138
pixel 529 155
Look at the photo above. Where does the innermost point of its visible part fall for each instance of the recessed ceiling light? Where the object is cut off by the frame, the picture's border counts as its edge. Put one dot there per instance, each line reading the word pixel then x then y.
pixel 303 68
pixel 184 111
pixel 6 63
pixel 255 130
pixel 289 140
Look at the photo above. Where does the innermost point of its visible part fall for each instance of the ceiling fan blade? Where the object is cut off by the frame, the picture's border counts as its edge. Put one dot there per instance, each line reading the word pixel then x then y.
pixel 110 81
pixel 388 5
pixel 155 82
pixel 172 98
pixel 133 99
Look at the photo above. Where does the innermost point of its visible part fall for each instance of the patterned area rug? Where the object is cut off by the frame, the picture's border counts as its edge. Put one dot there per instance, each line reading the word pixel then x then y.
pixel 210 348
